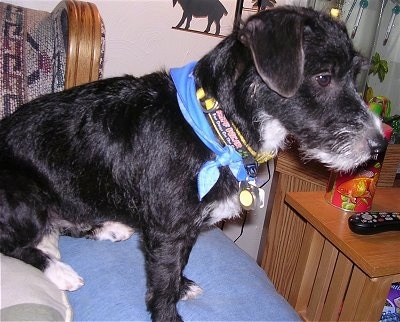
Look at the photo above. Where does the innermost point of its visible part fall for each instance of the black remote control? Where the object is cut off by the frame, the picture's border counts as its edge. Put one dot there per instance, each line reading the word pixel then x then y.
pixel 372 222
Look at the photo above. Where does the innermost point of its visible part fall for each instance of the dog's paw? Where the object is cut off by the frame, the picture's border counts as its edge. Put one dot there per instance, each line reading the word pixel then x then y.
pixel 114 231
pixel 190 290
pixel 63 276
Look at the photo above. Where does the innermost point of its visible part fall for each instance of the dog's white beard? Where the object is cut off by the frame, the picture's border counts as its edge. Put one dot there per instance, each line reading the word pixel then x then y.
pixel 350 156
pixel 352 148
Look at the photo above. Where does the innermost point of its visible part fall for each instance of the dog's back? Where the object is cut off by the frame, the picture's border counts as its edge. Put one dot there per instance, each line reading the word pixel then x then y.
pixel 89 147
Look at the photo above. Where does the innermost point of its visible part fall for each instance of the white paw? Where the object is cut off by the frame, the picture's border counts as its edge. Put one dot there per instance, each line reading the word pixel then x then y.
pixel 114 231
pixel 63 276
pixel 193 291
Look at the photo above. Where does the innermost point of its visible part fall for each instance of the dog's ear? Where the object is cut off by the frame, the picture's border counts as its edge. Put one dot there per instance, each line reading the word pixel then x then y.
pixel 275 38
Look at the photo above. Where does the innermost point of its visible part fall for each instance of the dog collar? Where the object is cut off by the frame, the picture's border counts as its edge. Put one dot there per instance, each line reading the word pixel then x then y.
pixel 190 102
pixel 250 196
pixel 229 134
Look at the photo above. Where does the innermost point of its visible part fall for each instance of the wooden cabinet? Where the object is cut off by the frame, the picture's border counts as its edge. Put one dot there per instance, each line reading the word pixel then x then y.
pixel 292 241
pixel 339 275
pixel 284 230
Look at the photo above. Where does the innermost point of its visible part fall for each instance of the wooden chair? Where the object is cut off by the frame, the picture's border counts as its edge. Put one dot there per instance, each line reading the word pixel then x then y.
pixel 85 43
pixel 45 52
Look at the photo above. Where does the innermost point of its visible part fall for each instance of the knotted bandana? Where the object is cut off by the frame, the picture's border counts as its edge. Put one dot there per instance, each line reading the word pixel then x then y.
pixel 191 109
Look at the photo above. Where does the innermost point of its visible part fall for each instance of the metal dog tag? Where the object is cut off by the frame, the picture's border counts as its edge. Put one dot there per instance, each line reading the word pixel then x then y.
pixel 250 196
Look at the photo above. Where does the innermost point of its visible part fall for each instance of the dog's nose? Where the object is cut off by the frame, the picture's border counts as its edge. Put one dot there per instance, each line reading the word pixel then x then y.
pixel 377 146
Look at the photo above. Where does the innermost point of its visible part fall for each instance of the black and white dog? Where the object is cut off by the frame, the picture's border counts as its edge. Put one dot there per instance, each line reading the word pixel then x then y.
pixel 101 159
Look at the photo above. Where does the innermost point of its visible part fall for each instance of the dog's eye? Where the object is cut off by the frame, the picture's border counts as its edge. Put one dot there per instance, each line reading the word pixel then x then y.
pixel 324 79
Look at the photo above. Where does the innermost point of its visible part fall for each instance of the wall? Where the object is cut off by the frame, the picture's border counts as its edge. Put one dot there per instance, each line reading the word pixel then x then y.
pixel 139 34
pixel 247 232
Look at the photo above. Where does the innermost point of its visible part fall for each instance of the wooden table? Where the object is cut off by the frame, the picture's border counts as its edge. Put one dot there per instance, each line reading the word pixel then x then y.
pixel 342 276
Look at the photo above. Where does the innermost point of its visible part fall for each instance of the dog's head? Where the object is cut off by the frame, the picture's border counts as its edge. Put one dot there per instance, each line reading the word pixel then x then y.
pixel 307 68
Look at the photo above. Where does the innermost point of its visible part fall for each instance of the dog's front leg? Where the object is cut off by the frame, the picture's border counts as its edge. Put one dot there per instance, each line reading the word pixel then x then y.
pixel 166 256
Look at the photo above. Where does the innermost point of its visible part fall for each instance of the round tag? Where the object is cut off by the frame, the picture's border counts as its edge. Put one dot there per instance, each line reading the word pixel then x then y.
pixel 246 199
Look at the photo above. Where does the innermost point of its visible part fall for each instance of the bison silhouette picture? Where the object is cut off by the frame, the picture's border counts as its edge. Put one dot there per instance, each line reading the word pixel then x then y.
pixel 212 9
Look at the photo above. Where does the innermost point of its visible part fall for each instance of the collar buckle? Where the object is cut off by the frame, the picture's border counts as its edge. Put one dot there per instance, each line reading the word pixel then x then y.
pixel 208 104
pixel 251 167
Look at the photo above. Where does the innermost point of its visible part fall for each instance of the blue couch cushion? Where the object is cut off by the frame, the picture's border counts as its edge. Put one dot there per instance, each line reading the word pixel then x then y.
pixel 235 288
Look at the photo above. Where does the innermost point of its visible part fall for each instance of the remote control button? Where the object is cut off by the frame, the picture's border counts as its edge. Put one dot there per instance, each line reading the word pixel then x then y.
pixel 366 216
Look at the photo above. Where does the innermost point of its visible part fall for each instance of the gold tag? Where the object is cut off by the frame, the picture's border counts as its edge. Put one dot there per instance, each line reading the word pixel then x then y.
pixel 250 196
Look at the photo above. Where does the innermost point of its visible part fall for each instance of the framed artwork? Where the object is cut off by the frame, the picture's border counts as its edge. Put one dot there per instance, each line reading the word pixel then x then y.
pixel 209 17
pixel 217 17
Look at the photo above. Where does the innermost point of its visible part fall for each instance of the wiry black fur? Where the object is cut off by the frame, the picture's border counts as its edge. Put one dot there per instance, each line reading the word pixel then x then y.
pixel 120 150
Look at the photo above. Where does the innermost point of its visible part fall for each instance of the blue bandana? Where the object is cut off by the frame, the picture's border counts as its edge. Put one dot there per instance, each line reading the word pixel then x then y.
pixel 193 113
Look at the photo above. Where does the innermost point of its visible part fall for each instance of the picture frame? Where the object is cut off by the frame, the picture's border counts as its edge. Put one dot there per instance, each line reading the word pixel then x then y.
pixel 207 17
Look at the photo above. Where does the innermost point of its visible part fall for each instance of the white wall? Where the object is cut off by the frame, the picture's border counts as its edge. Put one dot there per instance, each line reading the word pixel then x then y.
pixel 140 38
pixel 248 232
pixel 139 34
